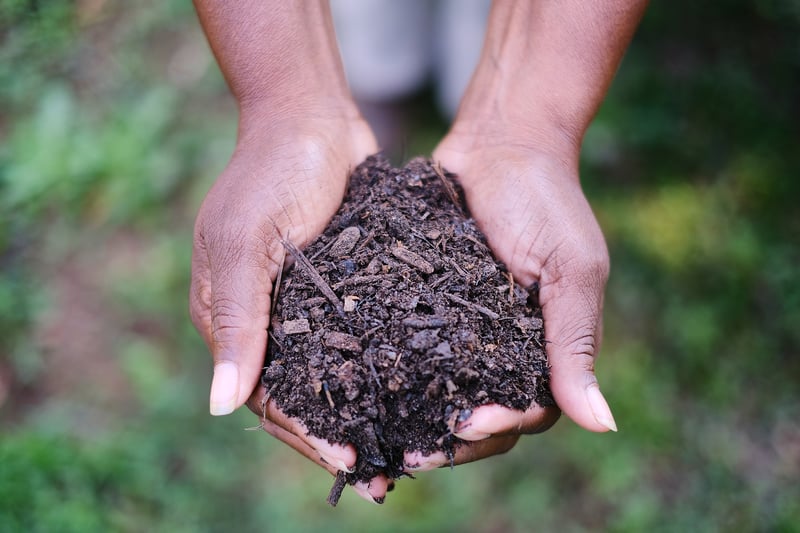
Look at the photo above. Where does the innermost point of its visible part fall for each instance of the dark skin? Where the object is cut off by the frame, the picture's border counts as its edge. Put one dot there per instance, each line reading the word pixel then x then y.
pixel 514 144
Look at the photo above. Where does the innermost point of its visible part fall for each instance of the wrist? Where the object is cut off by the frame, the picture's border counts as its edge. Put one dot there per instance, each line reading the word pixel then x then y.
pixel 301 115
pixel 520 113
pixel 535 134
pixel 323 131
pixel 545 68
pixel 280 59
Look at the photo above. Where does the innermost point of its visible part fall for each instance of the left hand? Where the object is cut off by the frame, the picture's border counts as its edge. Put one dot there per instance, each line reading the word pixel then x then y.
pixel 531 208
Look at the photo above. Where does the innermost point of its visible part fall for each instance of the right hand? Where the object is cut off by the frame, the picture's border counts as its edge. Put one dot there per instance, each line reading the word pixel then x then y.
pixel 285 180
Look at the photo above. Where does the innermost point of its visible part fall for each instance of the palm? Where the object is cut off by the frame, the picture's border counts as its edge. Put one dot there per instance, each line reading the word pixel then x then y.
pixel 532 210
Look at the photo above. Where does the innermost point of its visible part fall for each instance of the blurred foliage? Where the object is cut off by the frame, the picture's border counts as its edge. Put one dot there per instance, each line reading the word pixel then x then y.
pixel 113 122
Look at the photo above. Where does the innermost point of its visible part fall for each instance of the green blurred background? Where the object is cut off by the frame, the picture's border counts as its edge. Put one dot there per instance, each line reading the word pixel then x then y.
pixel 114 121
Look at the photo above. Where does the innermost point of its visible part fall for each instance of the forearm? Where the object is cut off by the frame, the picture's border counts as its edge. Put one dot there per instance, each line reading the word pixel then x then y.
pixel 546 65
pixel 277 55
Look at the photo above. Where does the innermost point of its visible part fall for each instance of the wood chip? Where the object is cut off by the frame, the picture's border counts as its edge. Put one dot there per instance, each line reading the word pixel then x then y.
pixel 410 258
pixel 342 341
pixel 345 242
pixel 528 323
pixel 433 234
pixel 350 303
pixel 294 327
pixel 313 302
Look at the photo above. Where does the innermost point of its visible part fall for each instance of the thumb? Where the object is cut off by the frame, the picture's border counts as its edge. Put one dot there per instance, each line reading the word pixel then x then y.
pixel 241 286
pixel 572 308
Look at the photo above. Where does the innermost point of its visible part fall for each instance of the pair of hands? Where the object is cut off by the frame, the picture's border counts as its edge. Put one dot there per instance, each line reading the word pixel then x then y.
pixel 289 177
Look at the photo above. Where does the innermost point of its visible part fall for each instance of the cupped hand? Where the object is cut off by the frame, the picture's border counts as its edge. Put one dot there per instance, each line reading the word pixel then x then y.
pixel 529 204
pixel 285 180
pixel 490 430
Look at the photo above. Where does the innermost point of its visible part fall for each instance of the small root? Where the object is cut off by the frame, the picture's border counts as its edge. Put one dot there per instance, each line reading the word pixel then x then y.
pixel 328 394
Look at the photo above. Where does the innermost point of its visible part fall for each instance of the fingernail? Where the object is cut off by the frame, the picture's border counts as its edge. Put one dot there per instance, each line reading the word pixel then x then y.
pixel 464 430
pixel 600 408
pixel 363 490
pixel 336 463
pixel 224 389
pixel 468 433
pixel 422 466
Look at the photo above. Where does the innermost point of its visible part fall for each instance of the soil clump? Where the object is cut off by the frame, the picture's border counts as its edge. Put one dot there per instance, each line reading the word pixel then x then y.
pixel 397 322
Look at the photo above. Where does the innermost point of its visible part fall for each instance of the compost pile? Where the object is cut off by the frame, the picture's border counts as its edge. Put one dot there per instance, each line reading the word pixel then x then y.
pixel 398 321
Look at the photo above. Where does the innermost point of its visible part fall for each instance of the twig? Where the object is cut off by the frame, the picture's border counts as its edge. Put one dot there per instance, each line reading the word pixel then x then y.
pixel 511 288
pixel 366 241
pixel 479 308
pixel 338 486
pixel 323 249
pixel 328 394
pixel 316 279
pixel 423 238
pixel 448 187
pixel 444 277
pixel 264 402
pixel 476 241
pixel 525 344
pixel 456 266
pixel 374 372
pixel 277 286
pixel 276 341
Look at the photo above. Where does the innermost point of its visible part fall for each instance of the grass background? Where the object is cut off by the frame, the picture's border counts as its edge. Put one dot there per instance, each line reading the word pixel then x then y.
pixel 114 121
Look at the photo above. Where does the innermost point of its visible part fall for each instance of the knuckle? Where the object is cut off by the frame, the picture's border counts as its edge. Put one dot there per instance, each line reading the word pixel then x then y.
pixel 580 261
pixel 199 317
pixel 229 322
pixel 232 248
pixel 597 265
pixel 199 311
pixel 588 262
pixel 578 338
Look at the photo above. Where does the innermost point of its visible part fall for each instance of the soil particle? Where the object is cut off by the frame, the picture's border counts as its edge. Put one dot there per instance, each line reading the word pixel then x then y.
pixel 401 323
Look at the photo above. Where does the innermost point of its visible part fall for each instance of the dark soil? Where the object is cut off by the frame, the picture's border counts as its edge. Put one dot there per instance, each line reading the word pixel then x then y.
pixel 397 322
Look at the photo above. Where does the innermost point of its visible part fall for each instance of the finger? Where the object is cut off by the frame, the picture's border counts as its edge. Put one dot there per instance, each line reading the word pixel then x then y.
pixel 200 292
pixel 493 420
pixel 374 490
pixel 466 452
pixel 296 443
pixel 338 456
pixel 572 306
pixel 241 272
